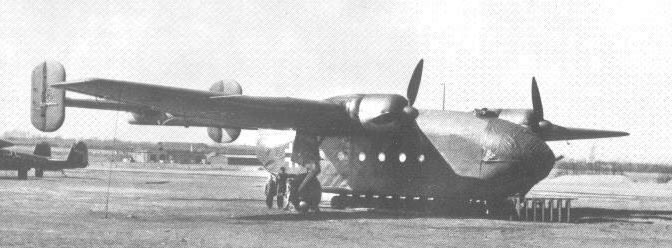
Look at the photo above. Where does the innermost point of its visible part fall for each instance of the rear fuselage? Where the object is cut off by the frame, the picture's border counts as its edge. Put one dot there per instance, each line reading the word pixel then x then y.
pixel 10 160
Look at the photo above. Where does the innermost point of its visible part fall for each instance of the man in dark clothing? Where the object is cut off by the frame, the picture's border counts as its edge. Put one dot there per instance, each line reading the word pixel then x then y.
pixel 306 153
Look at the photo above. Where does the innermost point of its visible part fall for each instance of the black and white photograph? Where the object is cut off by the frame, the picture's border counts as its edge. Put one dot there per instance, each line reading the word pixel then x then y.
pixel 342 123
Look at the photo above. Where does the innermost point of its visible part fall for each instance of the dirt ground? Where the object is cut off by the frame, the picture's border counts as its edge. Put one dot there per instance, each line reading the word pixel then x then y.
pixel 148 209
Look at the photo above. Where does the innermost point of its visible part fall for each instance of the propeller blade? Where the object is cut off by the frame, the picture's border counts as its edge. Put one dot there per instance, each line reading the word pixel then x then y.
pixel 414 84
pixel 537 108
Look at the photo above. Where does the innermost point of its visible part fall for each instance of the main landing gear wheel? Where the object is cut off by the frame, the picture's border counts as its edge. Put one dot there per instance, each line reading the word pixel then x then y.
pixel 270 191
pixel 23 174
pixel 39 172
pixel 283 199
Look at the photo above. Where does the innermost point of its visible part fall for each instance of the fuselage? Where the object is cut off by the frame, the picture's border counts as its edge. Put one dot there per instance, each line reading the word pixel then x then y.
pixel 10 160
pixel 448 154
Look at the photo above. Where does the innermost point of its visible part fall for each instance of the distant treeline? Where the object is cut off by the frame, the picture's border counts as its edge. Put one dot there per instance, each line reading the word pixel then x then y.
pixel 126 146
pixel 613 167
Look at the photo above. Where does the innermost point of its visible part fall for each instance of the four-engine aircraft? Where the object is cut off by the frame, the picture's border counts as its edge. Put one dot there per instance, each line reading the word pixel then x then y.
pixel 373 145
pixel 40 159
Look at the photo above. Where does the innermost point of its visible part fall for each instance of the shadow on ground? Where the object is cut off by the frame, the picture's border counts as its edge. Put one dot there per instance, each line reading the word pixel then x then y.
pixel 217 199
pixel 581 215
pixel 348 214
pixel 600 215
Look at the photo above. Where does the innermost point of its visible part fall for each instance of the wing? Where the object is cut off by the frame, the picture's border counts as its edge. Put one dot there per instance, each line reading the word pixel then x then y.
pixel 556 132
pixel 236 111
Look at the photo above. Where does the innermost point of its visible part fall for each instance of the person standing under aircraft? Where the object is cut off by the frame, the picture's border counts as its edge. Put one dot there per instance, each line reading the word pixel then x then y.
pixel 306 153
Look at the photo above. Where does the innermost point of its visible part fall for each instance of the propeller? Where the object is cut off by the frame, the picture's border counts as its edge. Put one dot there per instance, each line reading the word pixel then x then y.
pixel 537 122
pixel 412 92
pixel 414 84
pixel 549 131
pixel 537 108
pixel 388 111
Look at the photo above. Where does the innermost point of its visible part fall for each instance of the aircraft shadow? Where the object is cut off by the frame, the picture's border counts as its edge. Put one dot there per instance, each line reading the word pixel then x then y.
pixel 217 199
pixel 600 215
pixel 582 215
pixel 346 215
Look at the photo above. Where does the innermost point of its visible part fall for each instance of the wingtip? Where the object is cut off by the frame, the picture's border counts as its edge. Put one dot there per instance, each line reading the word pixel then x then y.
pixel 622 134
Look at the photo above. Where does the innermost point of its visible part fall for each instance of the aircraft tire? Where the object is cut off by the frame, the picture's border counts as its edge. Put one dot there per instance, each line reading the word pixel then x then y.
pixel 39 172
pixel 303 207
pixel 269 201
pixel 281 201
pixel 23 174
pixel 270 193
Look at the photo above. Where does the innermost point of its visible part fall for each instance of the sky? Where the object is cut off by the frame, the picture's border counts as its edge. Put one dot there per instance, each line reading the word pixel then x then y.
pixel 599 64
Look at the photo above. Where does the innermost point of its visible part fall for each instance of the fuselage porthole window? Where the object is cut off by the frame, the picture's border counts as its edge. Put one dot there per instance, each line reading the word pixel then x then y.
pixel 381 157
pixel 341 156
pixel 402 157
pixel 362 156
pixel 421 158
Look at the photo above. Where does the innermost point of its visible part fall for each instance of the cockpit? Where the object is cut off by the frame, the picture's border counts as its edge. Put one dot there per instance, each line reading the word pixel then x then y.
pixel 486 113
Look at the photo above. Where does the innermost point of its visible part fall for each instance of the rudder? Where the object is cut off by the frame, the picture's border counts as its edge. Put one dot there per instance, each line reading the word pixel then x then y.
pixel 47 111
pixel 79 155
pixel 43 149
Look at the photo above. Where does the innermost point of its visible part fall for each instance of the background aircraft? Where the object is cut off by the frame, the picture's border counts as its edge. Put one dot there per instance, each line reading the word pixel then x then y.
pixel 376 145
pixel 40 161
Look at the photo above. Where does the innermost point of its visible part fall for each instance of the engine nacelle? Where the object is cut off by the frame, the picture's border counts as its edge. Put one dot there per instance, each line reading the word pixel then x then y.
pixel 523 117
pixel 225 135
pixel 150 118
pixel 378 112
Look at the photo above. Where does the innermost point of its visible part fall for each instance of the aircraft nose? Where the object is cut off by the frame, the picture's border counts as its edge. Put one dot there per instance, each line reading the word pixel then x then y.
pixel 530 158
pixel 538 158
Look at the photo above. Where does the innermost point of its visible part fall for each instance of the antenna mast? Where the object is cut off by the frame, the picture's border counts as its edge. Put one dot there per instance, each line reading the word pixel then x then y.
pixel 443 105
